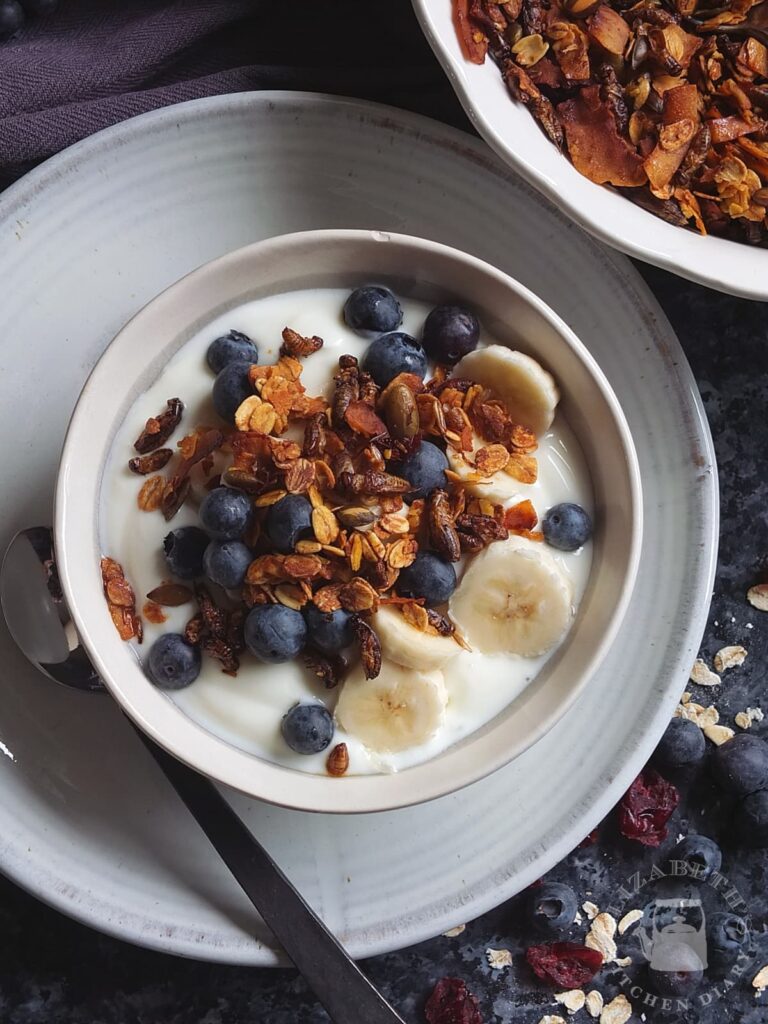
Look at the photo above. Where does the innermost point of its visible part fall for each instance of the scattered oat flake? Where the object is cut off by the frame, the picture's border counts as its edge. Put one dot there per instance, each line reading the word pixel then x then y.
pixel 594 1003
pixel 600 936
pixel 623 961
pixel 618 1011
pixel 498 958
pixel 591 910
pixel 573 1000
pixel 702 676
pixel 686 697
pixel 745 718
pixel 630 918
pixel 699 714
pixel 760 981
pixel 718 734
pixel 730 657
pixel 453 932
pixel 758 597
pixel 551 1018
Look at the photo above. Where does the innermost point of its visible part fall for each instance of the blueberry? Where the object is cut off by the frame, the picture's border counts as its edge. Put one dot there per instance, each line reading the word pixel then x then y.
pixel 552 907
pixel 701 854
pixel 226 512
pixel 682 970
pixel 11 18
pixel 727 936
pixel 274 633
pixel 372 308
pixel 566 526
pixel 682 744
pixel 394 353
pixel 424 470
pixel 450 332
pixel 751 819
pixel 287 521
pixel 330 632
pixel 173 663
pixel 307 728
pixel 226 562
pixel 234 347
pixel 741 765
pixel 230 389
pixel 184 549
pixel 428 576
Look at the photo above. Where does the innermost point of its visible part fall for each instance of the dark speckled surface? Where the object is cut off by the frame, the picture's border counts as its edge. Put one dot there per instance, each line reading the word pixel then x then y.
pixel 53 970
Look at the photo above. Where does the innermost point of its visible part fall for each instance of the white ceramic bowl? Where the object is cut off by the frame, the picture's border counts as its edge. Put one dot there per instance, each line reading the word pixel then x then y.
pixel 345 258
pixel 516 137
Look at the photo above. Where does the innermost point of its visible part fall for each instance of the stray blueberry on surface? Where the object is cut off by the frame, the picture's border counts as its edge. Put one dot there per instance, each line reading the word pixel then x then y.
pixel 230 389
pixel 727 936
pixel 428 576
pixel 701 853
pixel 173 663
pixel 329 632
pixel 307 728
pixel 11 18
pixel 740 765
pixel 424 469
pixel 287 521
pixel 751 819
pixel 552 907
pixel 226 512
pixel 372 309
pixel 566 526
pixel 682 744
pixel 226 562
pixel 392 354
pixel 450 332
pixel 682 973
pixel 234 347
pixel 184 549
pixel 274 633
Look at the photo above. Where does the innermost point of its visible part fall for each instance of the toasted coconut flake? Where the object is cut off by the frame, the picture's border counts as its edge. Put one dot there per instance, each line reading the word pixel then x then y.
pixel 595 146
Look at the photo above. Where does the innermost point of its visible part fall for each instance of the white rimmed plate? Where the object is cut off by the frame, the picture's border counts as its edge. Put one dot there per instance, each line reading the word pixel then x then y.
pixel 86 821
pixel 511 131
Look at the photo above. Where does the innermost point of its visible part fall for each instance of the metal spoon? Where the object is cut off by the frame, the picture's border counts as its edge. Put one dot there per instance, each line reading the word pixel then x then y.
pixel 39 622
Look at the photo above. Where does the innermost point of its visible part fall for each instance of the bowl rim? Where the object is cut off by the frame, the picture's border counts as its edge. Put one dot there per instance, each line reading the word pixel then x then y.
pixel 172 728
pixel 731 267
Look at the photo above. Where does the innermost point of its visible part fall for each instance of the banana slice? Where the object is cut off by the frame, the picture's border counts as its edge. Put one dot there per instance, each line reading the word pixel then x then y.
pixel 404 644
pixel 525 387
pixel 400 708
pixel 513 599
pixel 500 488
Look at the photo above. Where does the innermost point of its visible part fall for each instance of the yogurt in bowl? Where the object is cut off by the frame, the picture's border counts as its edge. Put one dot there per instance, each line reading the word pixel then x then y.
pixel 450 669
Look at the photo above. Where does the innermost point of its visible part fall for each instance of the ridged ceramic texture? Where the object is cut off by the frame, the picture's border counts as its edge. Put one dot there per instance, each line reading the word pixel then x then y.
pixel 86 821
pixel 508 127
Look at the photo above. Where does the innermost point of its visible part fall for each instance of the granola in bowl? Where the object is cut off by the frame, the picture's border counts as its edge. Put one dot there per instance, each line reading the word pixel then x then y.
pixel 350 542
pixel 665 102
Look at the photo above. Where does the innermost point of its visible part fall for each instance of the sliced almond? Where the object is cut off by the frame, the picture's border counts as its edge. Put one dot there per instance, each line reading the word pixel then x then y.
pixel 325 526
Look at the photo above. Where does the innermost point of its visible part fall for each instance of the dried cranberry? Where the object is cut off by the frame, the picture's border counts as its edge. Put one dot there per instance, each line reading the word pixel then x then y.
pixel 564 964
pixel 647 807
pixel 590 839
pixel 451 1002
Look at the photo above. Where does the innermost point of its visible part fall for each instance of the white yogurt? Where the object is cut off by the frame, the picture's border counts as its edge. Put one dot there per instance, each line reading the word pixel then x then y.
pixel 247 710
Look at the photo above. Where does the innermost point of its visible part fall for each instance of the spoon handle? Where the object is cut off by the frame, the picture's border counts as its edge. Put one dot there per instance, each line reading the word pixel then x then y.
pixel 344 991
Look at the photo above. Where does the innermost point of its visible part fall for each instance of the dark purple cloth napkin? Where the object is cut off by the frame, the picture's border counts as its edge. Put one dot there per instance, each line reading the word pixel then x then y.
pixel 95 62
